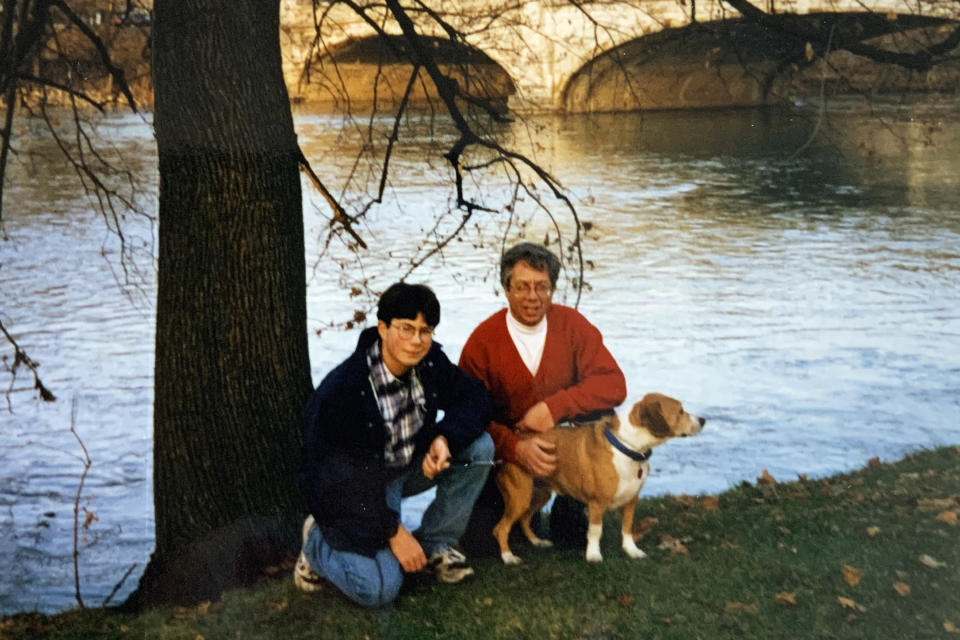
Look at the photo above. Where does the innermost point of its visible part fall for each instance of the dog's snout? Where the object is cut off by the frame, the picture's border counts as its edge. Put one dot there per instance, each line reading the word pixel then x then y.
pixel 702 421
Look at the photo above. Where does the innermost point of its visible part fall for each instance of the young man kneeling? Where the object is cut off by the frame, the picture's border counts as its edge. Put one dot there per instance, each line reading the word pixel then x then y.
pixel 371 437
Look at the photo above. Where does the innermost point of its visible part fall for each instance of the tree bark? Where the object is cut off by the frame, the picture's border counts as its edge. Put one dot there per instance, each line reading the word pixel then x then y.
pixel 232 365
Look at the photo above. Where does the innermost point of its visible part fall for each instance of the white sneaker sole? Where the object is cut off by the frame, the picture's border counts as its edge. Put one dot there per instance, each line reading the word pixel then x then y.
pixel 304 577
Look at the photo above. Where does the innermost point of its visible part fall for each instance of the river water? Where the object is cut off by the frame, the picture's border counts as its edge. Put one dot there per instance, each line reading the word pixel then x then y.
pixel 793 279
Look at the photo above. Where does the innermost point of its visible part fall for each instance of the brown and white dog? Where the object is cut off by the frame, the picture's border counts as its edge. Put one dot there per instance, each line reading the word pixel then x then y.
pixel 602 464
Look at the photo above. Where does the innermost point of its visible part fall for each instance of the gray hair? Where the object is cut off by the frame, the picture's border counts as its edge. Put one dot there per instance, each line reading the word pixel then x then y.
pixel 536 255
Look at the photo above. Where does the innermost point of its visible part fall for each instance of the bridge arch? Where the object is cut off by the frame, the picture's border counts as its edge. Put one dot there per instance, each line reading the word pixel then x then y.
pixel 372 69
pixel 696 66
pixel 732 63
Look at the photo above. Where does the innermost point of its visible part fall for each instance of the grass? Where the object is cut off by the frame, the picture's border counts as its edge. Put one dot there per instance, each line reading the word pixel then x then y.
pixel 870 554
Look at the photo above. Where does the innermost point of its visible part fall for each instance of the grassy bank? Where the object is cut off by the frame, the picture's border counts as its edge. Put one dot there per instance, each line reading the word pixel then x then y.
pixel 870 554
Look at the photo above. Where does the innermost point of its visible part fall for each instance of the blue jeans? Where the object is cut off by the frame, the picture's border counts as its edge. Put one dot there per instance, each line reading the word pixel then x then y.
pixel 375 581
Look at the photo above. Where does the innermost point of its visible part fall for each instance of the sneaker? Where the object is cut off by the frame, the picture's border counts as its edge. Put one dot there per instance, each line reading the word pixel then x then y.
pixel 449 565
pixel 304 577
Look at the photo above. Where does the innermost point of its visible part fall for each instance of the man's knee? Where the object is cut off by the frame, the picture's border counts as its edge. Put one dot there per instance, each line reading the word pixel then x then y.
pixel 375 590
pixel 376 595
pixel 481 449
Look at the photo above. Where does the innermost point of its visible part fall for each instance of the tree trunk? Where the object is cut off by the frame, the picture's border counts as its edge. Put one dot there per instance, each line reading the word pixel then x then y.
pixel 232 366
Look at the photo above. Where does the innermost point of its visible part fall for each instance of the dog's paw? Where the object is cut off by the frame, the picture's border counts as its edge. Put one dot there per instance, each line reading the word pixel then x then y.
pixel 635 553
pixel 509 558
pixel 540 542
pixel 594 556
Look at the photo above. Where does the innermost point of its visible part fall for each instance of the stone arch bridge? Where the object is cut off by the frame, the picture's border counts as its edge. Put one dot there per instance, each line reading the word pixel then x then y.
pixel 547 51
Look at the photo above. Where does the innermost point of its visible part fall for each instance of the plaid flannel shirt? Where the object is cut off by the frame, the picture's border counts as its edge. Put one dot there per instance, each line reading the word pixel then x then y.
pixel 402 404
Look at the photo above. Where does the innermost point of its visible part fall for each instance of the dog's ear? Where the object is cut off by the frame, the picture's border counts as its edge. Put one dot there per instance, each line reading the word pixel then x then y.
pixel 652 415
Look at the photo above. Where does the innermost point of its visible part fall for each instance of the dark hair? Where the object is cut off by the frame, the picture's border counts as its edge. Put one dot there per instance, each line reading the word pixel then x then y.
pixel 402 300
pixel 536 255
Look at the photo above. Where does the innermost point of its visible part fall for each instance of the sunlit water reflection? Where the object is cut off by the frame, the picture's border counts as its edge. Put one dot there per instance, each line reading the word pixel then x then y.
pixel 804 298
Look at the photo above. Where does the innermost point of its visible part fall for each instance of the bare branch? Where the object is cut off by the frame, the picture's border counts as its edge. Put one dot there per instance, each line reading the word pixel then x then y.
pixel 20 357
pixel 820 37
pixel 339 213
pixel 52 84
pixel 115 71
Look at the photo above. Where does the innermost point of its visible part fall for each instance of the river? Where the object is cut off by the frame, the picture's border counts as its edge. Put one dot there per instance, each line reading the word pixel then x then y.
pixel 794 279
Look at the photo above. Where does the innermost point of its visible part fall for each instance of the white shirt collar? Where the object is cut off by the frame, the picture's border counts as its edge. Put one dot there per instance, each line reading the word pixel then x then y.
pixel 528 340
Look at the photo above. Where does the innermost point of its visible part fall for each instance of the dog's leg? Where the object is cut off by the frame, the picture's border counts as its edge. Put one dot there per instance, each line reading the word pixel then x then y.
pixel 594 531
pixel 541 495
pixel 626 532
pixel 516 487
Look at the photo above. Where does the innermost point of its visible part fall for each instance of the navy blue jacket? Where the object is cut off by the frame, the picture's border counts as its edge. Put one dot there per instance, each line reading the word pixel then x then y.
pixel 343 476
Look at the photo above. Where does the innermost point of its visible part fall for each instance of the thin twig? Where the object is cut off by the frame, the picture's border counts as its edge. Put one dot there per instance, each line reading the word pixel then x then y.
pixel 823 103
pixel 117 586
pixel 76 503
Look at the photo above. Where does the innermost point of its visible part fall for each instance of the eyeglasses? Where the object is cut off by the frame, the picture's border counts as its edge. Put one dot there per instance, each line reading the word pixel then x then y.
pixel 407 331
pixel 523 288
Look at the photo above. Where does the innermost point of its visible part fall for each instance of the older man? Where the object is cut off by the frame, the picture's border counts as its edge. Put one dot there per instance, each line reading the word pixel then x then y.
pixel 371 436
pixel 543 364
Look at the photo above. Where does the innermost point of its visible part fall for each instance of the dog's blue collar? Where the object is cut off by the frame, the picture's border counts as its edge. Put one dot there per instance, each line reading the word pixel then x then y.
pixel 625 450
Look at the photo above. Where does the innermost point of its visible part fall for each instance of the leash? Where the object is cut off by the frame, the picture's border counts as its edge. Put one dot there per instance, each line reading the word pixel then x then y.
pixel 639 456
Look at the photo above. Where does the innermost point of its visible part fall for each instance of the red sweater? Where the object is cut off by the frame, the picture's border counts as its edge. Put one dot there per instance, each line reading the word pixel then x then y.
pixel 577 374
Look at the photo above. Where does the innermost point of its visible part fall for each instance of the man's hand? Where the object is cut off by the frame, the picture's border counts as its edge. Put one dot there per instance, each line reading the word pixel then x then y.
pixel 437 458
pixel 537 456
pixel 408 551
pixel 537 418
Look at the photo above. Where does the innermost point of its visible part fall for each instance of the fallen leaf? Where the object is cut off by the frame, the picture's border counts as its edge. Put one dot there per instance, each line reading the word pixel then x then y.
pixel 644 527
pixel 949 627
pixel 669 542
pixel 740 607
pixel 686 500
pixel 203 608
pixel 933 563
pixel 847 603
pixel 710 503
pixel 902 574
pixel 851 574
pixel 935 504
pixel 902 588
pixel 626 600
pixel 872 531
pixel 950 517
pixel 766 478
pixel 786 598
pixel 277 606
